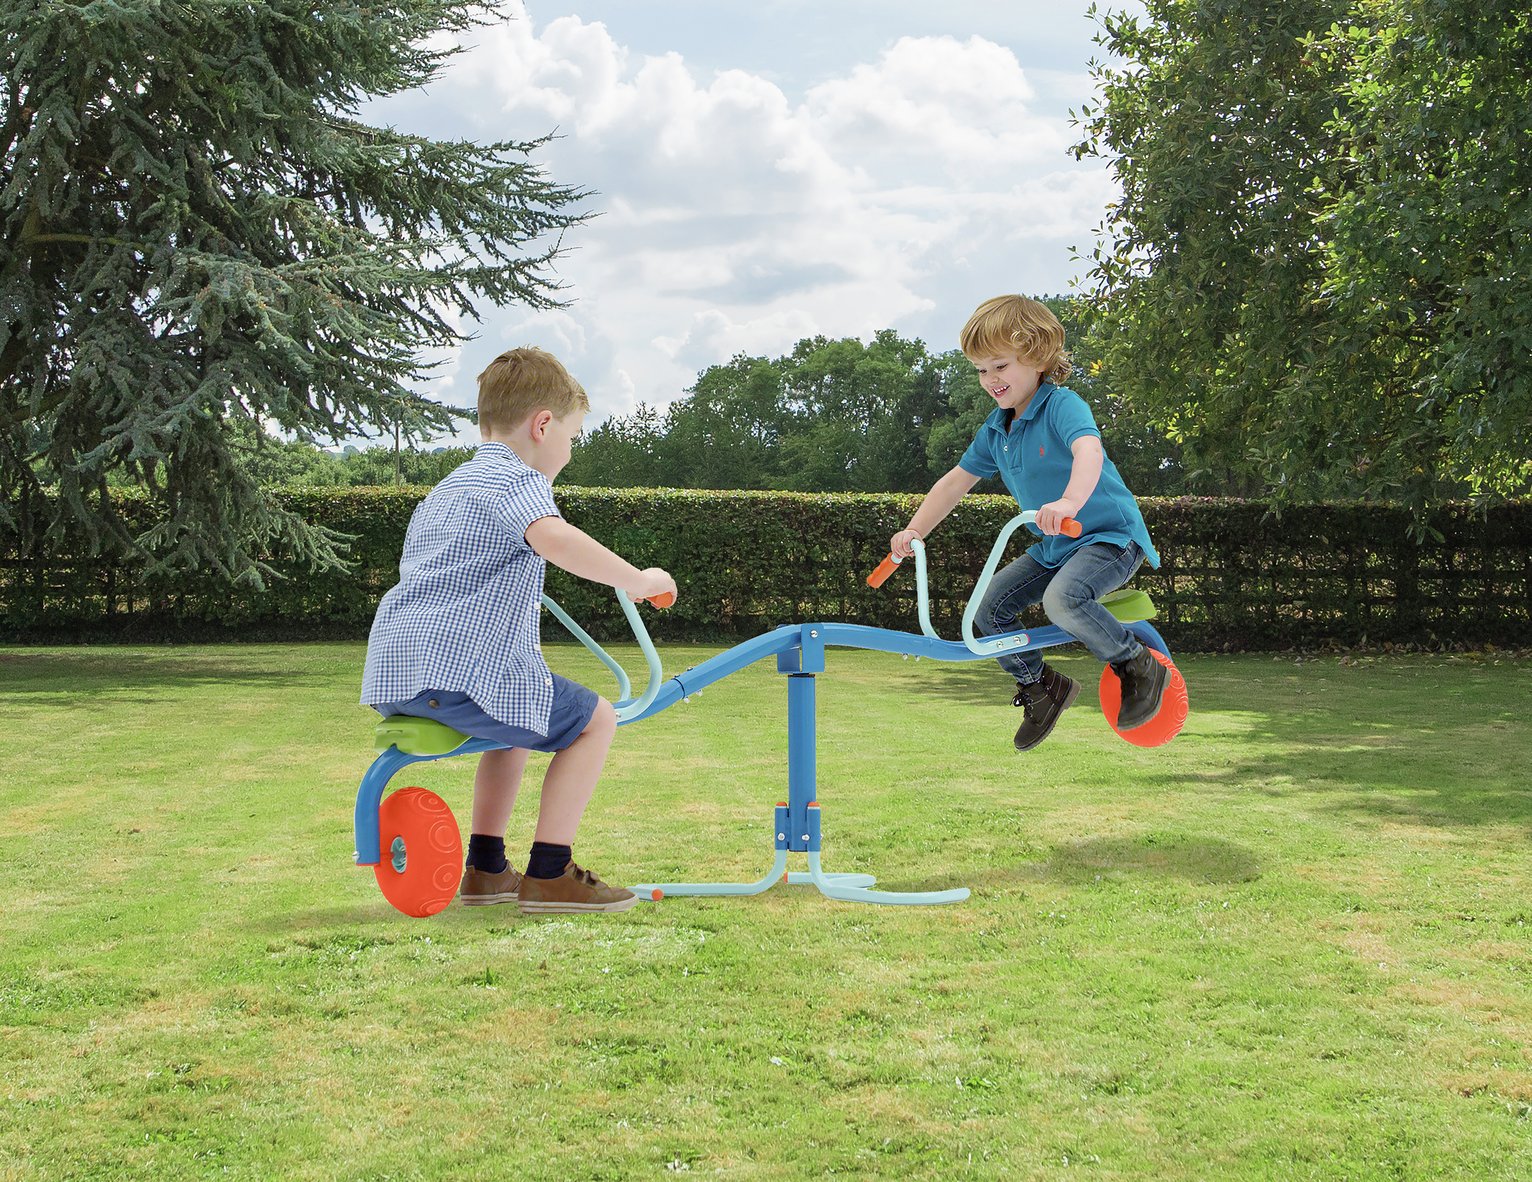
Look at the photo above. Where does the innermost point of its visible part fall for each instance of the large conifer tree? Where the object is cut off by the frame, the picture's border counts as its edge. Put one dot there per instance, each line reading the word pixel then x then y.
pixel 200 235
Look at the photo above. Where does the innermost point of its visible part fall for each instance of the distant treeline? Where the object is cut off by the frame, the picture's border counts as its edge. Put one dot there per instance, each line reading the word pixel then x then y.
pixel 846 415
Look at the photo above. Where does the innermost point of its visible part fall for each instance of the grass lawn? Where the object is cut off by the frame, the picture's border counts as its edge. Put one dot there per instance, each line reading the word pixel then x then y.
pixel 1295 943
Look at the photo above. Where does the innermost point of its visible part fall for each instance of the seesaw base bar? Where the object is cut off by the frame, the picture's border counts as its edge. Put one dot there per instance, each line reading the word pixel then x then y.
pixel 850 887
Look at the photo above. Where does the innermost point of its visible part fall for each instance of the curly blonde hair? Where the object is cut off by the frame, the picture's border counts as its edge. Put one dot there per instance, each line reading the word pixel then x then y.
pixel 1013 324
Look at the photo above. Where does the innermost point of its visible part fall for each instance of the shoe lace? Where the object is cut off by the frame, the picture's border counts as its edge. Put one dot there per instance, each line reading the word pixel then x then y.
pixel 1026 697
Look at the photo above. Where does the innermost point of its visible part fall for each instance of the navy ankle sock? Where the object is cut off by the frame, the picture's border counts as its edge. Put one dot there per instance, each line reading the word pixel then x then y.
pixel 548 861
pixel 486 852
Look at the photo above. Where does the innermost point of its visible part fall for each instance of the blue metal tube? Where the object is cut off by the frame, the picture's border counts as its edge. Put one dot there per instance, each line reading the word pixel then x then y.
pixel 888 641
pixel 801 770
pixel 624 686
pixel 698 678
pixel 369 796
pixel 368 799
pixel 1012 642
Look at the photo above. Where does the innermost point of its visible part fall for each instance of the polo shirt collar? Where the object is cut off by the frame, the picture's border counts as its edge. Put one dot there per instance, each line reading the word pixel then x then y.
pixel 1000 418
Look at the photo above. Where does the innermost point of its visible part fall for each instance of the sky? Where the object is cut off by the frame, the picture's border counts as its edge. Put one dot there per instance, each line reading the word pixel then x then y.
pixel 766 172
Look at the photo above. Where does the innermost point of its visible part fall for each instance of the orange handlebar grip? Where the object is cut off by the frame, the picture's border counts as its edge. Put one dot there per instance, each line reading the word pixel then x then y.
pixel 885 568
pixel 665 599
pixel 1069 527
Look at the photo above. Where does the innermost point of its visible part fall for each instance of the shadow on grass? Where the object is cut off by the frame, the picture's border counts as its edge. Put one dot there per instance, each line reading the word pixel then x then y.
pixel 983 684
pixel 1192 859
pixel 86 672
pixel 1421 740
pixel 1195 859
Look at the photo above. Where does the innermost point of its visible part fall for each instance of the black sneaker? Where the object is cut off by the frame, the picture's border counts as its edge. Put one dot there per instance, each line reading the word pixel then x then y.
pixel 1143 685
pixel 1043 701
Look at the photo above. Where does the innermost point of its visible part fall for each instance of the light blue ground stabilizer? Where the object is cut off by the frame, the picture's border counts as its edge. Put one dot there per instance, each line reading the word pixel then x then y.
pixel 799 650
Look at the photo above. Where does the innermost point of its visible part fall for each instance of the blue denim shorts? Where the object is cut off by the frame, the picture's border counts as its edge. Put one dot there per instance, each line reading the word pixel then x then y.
pixel 573 706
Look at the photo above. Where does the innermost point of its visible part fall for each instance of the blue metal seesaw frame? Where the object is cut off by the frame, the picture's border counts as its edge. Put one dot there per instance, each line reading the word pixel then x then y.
pixel 799 650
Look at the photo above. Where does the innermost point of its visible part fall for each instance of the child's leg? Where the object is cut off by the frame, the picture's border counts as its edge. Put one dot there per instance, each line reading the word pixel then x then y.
pixel 1014 588
pixel 488 876
pixel 1042 691
pixel 1073 603
pixel 494 788
pixel 1073 599
pixel 572 777
pixel 553 883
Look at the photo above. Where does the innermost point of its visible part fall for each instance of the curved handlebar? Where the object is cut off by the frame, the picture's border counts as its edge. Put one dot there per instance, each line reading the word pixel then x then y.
pixel 627 706
pixel 1069 527
pixel 990 645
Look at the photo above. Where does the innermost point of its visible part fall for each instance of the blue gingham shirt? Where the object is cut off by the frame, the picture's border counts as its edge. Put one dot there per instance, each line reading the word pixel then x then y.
pixel 464 616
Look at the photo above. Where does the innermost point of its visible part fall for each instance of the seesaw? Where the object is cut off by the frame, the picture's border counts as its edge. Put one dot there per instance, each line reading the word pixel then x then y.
pixel 412 842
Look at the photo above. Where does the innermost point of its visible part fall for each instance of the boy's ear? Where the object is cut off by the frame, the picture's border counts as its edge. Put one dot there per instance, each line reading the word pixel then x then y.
pixel 538 427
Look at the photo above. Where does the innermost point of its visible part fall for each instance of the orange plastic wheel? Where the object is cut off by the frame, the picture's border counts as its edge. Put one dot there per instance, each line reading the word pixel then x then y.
pixel 422 852
pixel 1167 721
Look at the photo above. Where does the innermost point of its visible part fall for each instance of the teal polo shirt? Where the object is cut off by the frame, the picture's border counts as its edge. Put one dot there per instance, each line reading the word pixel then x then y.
pixel 1031 455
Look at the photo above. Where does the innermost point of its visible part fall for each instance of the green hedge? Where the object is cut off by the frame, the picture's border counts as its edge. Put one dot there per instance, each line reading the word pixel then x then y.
pixel 1234 576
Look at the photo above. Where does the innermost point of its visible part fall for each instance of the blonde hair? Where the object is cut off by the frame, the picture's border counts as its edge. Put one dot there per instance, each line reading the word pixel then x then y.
pixel 1013 324
pixel 524 380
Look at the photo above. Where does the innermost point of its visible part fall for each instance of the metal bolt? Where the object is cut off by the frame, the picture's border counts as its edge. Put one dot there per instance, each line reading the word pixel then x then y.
pixel 814 633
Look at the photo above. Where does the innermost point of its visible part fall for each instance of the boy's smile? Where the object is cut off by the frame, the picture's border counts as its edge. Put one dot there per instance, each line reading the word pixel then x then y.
pixel 1009 380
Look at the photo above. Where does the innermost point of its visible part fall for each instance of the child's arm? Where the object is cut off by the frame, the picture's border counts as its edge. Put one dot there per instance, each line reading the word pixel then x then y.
pixel 940 501
pixel 1084 475
pixel 580 554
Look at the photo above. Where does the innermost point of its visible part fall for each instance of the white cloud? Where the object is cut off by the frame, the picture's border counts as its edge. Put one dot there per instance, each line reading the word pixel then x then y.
pixel 735 217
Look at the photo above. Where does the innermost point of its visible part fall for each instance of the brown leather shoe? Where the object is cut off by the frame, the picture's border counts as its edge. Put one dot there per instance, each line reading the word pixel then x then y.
pixel 1044 702
pixel 576 890
pixel 481 888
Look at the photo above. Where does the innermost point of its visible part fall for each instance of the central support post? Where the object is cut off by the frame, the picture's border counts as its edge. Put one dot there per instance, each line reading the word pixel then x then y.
pixel 801 761
pixel 797 819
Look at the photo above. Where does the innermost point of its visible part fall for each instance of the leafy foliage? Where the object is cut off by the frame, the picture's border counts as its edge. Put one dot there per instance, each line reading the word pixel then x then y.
pixel 1428 255
pixel 201 239
pixel 1315 280
pixel 840 416
pixel 1233 574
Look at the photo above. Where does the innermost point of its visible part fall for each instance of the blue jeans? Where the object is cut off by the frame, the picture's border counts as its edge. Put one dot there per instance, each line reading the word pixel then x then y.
pixel 1070 594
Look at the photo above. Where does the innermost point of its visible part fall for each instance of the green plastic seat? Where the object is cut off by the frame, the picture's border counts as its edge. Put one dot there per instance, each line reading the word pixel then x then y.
pixel 1129 606
pixel 416 736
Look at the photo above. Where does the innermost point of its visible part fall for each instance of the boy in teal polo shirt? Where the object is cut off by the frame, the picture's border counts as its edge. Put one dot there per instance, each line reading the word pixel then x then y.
pixel 1043 442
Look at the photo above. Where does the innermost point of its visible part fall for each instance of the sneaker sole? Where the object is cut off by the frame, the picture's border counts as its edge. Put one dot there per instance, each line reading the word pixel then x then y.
pixel 540 908
pixel 486 900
